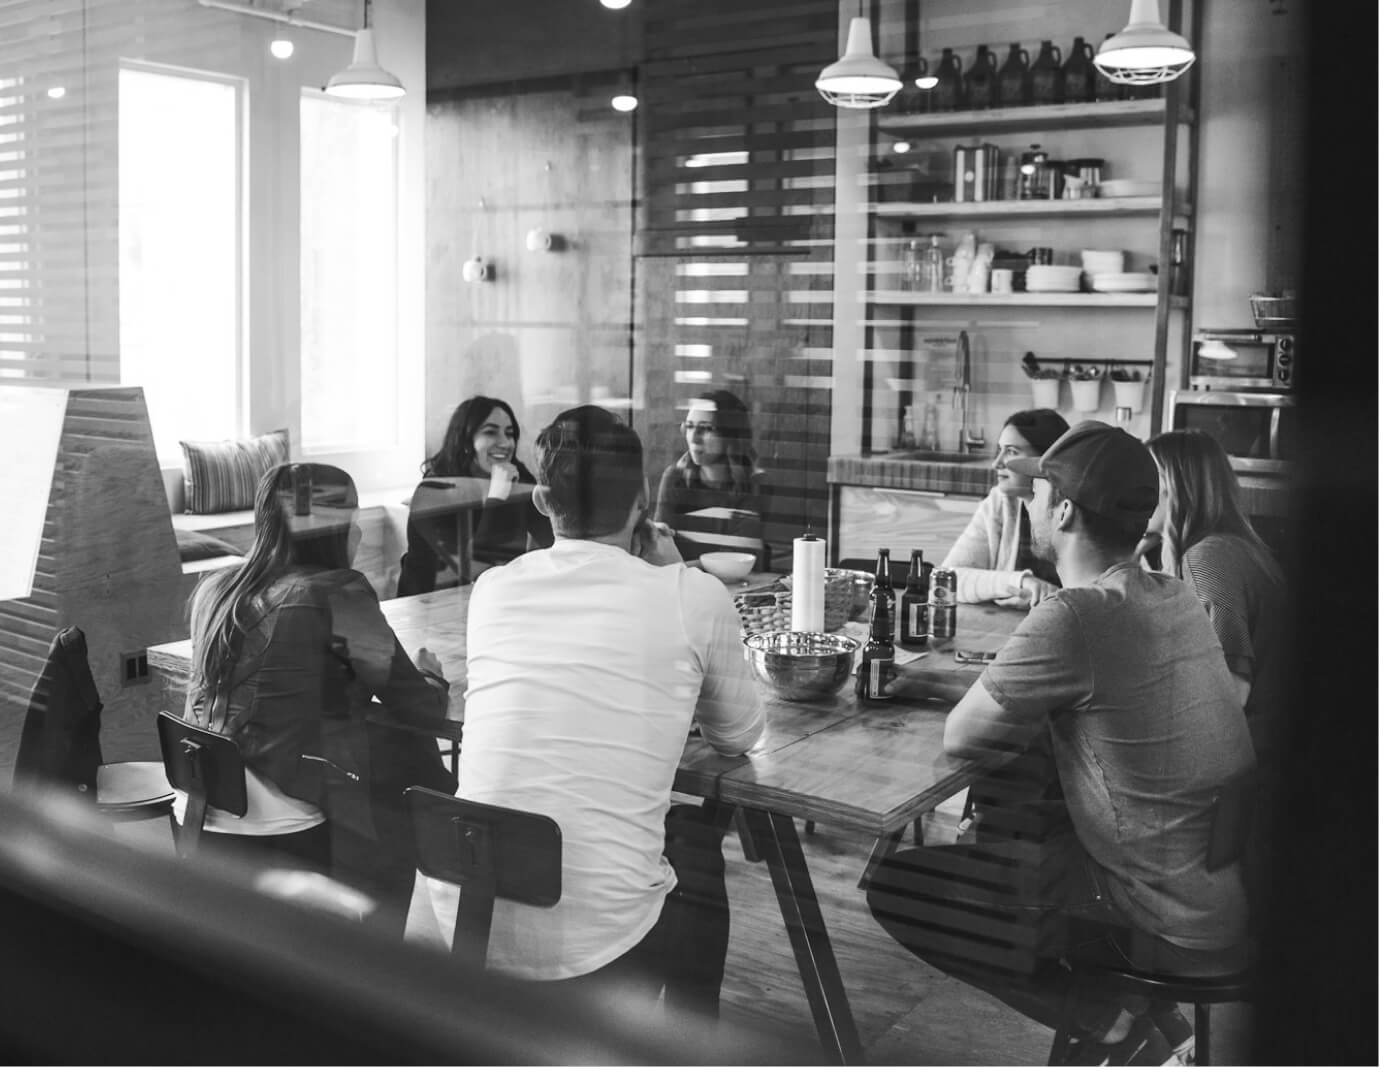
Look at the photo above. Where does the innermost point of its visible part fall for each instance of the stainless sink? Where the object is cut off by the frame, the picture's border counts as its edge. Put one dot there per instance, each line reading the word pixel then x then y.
pixel 922 455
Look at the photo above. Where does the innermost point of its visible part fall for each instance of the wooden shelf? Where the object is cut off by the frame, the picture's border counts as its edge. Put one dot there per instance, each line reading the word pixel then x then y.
pixel 1087 300
pixel 1012 209
pixel 1010 119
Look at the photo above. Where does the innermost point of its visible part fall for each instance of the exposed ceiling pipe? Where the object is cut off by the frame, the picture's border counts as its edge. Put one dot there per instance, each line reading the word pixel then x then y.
pixel 243 8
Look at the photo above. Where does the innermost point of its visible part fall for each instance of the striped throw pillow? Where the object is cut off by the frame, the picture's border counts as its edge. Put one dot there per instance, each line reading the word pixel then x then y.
pixel 225 475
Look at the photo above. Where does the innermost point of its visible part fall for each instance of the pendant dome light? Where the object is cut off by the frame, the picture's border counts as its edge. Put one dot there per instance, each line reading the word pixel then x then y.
pixel 364 79
pixel 858 80
pixel 1146 52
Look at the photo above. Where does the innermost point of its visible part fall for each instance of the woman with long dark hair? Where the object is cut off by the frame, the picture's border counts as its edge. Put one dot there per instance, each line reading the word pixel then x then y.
pixel 1209 543
pixel 994 556
pixel 289 650
pixel 714 495
pixel 480 442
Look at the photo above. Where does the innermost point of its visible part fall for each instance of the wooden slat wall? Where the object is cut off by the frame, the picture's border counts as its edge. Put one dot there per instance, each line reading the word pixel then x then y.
pixel 735 269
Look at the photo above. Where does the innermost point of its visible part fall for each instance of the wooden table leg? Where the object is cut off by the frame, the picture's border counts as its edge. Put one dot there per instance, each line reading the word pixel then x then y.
pixel 775 838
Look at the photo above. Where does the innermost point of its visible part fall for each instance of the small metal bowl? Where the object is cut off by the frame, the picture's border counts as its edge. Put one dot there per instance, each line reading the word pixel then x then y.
pixel 801 666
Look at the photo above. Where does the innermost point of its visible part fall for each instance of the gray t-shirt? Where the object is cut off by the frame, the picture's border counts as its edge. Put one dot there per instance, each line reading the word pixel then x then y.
pixel 1145 728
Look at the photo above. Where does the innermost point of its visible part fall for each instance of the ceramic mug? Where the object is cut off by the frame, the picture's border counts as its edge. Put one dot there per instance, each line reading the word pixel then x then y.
pixel 1002 280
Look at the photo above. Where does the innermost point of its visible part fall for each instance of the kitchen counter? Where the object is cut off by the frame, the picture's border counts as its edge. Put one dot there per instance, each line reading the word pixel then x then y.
pixel 884 470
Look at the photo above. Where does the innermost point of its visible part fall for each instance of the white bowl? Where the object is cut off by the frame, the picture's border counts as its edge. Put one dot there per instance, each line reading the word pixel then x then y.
pixel 1050 279
pixel 728 567
pixel 1124 283
pixel 1102 262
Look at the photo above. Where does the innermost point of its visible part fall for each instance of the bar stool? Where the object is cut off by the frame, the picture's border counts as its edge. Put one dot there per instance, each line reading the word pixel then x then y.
pixel 1231 820
pixel 488 851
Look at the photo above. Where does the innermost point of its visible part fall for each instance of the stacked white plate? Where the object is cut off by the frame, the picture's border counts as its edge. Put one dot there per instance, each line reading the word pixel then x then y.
pixel 1119 187
pixel 1124 283
pixel 1043 278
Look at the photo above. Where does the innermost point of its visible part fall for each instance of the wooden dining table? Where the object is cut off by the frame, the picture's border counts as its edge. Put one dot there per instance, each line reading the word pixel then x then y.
pixel 873 769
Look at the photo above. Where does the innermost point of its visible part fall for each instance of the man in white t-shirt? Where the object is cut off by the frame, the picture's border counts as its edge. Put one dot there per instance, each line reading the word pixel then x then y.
pixel 587 663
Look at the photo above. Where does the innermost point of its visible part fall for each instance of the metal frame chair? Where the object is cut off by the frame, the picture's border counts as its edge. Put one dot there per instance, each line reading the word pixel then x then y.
pixel 488 851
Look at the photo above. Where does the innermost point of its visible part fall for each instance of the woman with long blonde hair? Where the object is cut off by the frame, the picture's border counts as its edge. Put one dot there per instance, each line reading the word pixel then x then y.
pixel 289 649
pixel 1209 543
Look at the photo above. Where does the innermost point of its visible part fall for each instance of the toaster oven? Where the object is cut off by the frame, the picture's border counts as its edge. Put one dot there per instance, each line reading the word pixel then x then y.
pixel 1243 359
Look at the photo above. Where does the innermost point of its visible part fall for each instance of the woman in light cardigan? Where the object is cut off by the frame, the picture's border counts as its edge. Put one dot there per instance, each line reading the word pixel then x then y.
pixel 994 557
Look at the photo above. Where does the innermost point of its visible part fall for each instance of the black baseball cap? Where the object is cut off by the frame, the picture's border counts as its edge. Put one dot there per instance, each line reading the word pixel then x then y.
pixel 1101 468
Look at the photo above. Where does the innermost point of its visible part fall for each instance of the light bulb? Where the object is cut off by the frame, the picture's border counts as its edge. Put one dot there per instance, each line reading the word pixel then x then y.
pixel 57 92
pixel 624 102
pixel 900 147
pixel 615 5
pixel 282 47
pixel 926 82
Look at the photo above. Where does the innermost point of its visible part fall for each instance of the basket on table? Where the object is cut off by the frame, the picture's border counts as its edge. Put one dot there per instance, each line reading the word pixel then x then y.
pixel 769 609
pixel 1273 311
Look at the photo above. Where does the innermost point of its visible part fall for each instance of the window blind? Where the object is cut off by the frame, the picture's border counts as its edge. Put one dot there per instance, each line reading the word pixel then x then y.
pixel 735 239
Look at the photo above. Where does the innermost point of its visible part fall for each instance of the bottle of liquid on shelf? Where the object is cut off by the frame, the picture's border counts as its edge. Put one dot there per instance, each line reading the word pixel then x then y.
pixel 1079 74
pixel 907 427
pixel 931 273
pixel 1046 75
pixel 947 94
pixel 914 604
pixel 913 265
pixel 980 80
pixel 1012 81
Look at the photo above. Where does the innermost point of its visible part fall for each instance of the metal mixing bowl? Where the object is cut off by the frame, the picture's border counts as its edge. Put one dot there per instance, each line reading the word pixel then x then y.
pixel 801 666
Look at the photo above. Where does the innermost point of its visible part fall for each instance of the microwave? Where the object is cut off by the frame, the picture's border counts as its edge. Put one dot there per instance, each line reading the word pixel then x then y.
pixel 1258 430
pixel 1243 359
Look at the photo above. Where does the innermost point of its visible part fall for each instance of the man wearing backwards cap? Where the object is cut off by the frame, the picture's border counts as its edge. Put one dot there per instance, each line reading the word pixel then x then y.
pixel 1120 673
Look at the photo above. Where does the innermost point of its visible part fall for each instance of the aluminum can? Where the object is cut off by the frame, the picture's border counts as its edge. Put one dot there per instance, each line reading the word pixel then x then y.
pixel 943 604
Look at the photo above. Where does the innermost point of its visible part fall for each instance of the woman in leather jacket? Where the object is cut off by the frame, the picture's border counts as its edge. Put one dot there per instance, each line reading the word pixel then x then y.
pixel 289 650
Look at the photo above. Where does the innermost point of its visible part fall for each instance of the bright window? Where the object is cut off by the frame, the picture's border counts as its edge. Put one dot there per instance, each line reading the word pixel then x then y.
pixel 180 253
pixel 349 361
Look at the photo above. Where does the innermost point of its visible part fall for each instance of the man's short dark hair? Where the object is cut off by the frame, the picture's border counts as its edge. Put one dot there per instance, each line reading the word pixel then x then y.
pixel 1111 535
pixel 590 462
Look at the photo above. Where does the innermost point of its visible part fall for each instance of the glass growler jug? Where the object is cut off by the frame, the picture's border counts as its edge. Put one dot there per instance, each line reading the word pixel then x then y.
pixel 980 80
pixel 1012 81
pixel 947 94
pixel 1046 75
pixel 1079 74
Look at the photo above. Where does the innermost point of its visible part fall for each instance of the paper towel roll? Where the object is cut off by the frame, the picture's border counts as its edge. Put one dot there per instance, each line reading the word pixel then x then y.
pixel 807 586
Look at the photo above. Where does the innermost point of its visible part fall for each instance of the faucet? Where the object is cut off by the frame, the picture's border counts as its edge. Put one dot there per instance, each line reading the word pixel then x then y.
pixel 967 441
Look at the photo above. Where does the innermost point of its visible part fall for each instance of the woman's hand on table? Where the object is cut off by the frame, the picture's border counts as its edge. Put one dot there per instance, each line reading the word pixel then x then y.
pixel 1029 593
pixel 429 663
pixel 655 543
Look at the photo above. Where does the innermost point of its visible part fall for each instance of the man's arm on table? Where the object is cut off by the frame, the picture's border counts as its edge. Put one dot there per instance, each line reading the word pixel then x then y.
pixel 1040 668
pixel 729 710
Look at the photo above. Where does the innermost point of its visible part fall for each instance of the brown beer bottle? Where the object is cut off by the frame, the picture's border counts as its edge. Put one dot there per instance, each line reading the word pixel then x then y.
pixel 878 654
pixel 914 604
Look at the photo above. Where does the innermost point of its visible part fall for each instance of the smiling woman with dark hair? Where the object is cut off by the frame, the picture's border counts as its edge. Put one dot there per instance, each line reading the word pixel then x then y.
pixel 480 442
pixel 994 557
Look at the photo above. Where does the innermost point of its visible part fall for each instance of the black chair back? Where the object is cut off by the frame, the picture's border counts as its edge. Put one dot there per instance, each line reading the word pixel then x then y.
pixel 60 742
pixel 205 765
pixel 489 852
pixel 1232 817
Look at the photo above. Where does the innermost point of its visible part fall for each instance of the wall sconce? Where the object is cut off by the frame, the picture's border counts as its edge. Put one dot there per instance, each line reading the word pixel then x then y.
pixel 477 269
pixel 538 240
